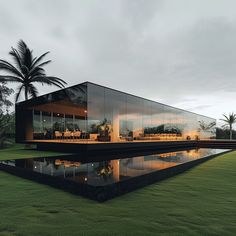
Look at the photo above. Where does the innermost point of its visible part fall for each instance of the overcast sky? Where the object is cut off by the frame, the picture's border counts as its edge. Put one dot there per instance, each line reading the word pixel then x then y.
pixel 182 53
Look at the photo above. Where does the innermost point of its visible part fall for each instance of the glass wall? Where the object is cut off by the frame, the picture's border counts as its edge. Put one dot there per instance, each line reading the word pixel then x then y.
pixel 116 116
pixel 61 115
pixel 91 113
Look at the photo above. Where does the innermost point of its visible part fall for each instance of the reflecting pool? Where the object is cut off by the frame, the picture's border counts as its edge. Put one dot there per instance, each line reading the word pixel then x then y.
pixel 109 172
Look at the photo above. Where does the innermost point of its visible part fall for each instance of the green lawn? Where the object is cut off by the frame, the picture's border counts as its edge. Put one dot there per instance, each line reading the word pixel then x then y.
pixel 201 201
pixel 18 151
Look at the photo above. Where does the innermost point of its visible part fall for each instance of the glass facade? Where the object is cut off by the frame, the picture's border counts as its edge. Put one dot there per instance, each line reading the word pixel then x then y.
pixel 92 113
pixel 131 118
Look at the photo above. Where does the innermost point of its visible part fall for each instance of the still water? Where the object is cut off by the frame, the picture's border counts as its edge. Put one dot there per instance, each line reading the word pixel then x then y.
pixel 110 171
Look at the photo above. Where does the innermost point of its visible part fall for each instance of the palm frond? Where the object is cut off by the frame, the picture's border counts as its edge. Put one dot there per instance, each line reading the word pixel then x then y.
pixel 28 59
pixel 25 56
pixel 33 90
pixel 57 80
pixel 16 57
pixel 6 66
pixel 9 78
pixel 39 59
pixel 226 117
pixel 44 63
pixel 36 71
pixel 25 70
pixel 19 89
pixel 34 59
pixel 230 119
pixel 49 80
pixel 21 45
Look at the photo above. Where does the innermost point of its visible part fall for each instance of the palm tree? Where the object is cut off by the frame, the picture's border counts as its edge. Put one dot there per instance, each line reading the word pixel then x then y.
pixel 27 71
pixel 229 121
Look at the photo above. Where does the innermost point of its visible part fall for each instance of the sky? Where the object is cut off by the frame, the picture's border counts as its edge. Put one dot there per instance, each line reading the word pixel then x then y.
pixel 182 53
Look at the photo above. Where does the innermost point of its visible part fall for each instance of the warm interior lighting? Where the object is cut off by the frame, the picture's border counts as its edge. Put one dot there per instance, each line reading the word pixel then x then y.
pixel 66 163
pixel 170 154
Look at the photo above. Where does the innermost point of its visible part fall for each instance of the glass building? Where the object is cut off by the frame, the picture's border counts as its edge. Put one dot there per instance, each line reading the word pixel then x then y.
pixel 90 113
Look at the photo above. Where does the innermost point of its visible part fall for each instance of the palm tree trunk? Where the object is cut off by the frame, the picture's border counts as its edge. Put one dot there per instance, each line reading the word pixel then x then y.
pixel 230 132
pixel 26 93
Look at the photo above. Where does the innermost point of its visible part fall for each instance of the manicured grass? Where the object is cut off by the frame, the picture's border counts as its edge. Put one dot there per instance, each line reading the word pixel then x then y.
pixel 18 151
pixel 201 201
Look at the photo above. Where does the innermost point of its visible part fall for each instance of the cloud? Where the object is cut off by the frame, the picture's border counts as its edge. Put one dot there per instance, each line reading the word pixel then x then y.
pixel 168 51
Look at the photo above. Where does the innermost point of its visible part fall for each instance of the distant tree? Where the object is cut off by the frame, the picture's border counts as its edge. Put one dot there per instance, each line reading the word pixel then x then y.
pixel 229 121
pixel 224 133
pixel 168 129
pixel 5 92
pixel 27 71
pixel 6 119
pixel 5 125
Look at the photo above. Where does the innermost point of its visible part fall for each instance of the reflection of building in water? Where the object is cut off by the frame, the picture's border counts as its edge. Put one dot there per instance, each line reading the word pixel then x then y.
pixel 66 163
pixel 116 169
pixel 142 165
pixel 111 171
pixel 169 154
pixel 194 153
pixel 198 153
